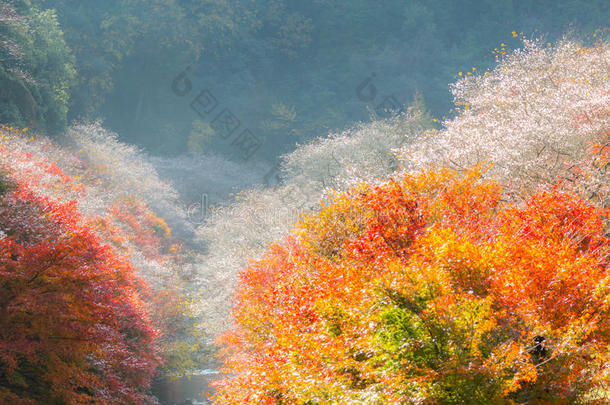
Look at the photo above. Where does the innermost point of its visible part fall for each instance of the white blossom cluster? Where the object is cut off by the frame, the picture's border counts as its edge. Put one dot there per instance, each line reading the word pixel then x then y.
pixel 534 118
pixel 124 169
pixel 109 170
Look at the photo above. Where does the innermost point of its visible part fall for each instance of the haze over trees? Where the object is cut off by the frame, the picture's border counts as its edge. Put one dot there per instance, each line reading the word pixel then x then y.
pixel 283 197
pixel 287 70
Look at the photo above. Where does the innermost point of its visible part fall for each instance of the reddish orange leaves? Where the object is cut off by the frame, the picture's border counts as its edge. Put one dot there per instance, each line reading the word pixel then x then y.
pixel 427 290
pixel 73 329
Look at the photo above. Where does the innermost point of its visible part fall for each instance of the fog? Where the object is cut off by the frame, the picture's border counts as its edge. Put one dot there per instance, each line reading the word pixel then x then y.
pixel 192 135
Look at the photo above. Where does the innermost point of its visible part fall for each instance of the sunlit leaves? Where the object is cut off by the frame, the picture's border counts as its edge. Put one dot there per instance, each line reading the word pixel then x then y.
pixel 426 290
pixel 100 194
pixel 72 326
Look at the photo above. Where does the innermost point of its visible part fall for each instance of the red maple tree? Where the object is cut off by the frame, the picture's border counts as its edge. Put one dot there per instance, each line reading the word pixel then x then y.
pixel 73 329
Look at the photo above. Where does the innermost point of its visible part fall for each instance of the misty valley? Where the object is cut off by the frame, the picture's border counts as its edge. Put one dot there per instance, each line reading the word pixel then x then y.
pixel 278 202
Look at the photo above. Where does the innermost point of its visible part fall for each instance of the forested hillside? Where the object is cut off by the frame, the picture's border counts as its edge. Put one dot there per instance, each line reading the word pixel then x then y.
pixel 288 71
pixel 304 203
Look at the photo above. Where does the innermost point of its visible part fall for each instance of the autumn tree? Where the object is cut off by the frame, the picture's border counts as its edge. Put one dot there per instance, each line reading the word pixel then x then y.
pixel 539 117
pixel 73 328
pixel 122 202
pixel 427 289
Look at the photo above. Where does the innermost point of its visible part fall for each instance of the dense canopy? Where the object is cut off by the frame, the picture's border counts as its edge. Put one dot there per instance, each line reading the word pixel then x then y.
pixel 304 203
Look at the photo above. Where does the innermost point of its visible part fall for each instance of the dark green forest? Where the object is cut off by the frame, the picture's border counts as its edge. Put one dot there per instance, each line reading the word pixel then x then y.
pixel 288 71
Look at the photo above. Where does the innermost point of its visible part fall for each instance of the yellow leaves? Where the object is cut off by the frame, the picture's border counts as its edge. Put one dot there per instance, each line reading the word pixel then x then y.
pixel 457 263
pixel 501 51
pixel 509 361
pixel 475 317
pixel 464 295
pixel 527 373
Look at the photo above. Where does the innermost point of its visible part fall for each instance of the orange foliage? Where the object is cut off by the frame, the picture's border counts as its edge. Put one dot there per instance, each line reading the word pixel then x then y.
pixel 147 231
pixel 427 290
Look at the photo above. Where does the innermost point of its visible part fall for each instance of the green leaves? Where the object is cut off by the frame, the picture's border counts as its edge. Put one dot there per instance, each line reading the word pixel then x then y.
pixel 37 70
